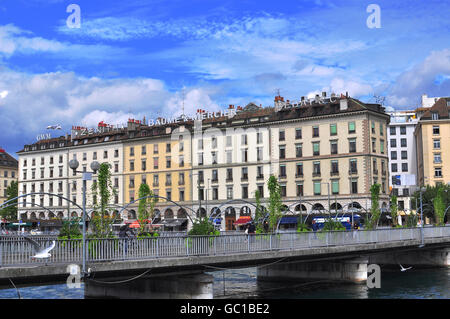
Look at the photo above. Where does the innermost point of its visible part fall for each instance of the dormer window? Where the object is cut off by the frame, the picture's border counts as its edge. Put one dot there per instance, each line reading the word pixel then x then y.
pixel 435 116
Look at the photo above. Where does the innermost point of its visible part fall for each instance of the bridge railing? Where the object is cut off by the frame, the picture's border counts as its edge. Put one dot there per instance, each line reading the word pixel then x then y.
pixel 15 251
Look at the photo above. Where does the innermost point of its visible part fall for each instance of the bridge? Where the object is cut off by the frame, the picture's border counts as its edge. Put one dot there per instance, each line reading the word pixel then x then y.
pixel 174 267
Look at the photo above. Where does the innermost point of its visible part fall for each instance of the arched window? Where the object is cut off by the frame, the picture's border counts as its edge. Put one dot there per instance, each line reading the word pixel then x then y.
pixel 168 214
pixel 245 211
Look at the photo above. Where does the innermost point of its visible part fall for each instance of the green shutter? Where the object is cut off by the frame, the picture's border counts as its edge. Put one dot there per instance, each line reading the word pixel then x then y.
pixel 333 129
pixel 316 187
pixel 351 126
pixel 335 186
pixel 382 146
pixel 316 147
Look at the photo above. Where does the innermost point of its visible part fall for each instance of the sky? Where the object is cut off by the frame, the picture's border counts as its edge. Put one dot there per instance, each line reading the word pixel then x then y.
pixel 136 58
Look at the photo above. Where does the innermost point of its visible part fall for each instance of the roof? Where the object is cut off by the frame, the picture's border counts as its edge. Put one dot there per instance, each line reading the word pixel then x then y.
pixel 442 107
pixel 7 160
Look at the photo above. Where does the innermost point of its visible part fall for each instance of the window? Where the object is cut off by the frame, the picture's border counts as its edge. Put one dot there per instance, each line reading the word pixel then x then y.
pixel 259 172
pixel 282 152
pixel 259 138
pixel 168 161
pixel 244 173
pixel 155 163
pixel 392 130
pixel 244 191
pixel 381 129
pixel 116 153
pixel 435 116
pixel 131 151
pixel 394 167
pixel 335 186
pixel 299 189
pixel 315 131
pixel 105 154
pixel 144 165
pixel 259 154
pixel 435 129
pixel 298 133
pixel 316 148
pixel 144 179
pixel 282 170
pixel 200 176
pixel 143 150
pixel 155 148
pixel 283 190
pixel 244 155
pixel 406 192
pixel 316 169
pixel 213 142
pixel 229 156
pixel 334 167
pixel 403 142
pixel 404 155
pixel 200 158
pixel 215 175
pixel 244 139
pixel 351 127
pixel 352 145
pixel 229 142
pixel 333 129
pixel 215 193
pixel 180 178
pixel 382 146
pixel 229 174
pixel 353 166
pixel 402 130
pixel 393 142
pixel 261 190
pixel 181 161
pixel 437 144
pixel 373 127
pixel 393 155
pixel 168 148
pixel 298 150
pixel 437 158
pixel 168 179
pixel 131 181
pixel 374 143
pixel 334 147
pixel 282 136
pixel 317 190
pixel 229 192
pixel 155 180
pixel 131 165
pixel 354 186
pixel 437 172
pixel 299 170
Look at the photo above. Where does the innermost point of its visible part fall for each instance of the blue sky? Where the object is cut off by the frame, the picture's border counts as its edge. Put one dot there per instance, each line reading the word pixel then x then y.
pixel 135 58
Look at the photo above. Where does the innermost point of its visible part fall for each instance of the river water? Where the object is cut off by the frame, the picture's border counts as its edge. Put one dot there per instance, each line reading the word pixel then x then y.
pixel 241 283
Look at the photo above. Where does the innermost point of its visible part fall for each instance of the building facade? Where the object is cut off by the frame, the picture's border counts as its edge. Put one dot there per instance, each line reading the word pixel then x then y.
pixel 8 173
pixel 432 136
pixel 402 158
pixel 326 153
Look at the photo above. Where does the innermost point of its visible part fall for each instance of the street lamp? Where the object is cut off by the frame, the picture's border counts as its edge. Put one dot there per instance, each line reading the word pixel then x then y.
pixel 87 176
pixel 422 189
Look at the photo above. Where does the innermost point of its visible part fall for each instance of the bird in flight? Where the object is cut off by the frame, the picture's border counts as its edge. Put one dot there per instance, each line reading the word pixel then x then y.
pixel 54 127
pixel 404 269
pixel 41 252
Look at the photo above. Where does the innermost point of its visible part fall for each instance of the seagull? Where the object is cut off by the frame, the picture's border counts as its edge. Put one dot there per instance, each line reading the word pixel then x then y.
pixel 54 127
pixel 40 251
pixel 404 269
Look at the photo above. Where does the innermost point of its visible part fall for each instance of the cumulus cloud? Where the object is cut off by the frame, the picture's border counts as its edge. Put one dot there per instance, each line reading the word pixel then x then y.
pixel 421 78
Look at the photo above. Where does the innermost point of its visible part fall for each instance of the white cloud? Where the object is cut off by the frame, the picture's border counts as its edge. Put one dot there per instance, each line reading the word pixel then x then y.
pixel 3 94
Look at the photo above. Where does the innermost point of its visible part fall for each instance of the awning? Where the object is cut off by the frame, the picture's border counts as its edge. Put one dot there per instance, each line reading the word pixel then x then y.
pixel 174 222
pixel 243 220
pixel 289 220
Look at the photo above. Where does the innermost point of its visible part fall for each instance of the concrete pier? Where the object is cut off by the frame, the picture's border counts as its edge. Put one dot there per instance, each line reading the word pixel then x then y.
pixel 192 286
pixel 350 270
pixel 420 257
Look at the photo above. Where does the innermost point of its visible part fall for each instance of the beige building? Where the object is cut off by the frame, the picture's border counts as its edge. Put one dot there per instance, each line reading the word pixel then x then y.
pixel 432 136
pixel 8 173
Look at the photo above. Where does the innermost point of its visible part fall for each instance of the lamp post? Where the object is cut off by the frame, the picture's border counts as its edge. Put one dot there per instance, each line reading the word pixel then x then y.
pixel 87 176
pixel 422 189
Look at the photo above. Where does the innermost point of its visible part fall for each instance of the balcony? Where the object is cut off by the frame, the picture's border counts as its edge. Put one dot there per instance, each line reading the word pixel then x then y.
pixel 244 178
pixel 375 172
pixel 229 179
pixel 334 173
pixel 260 177
pixel 181 182
pixel 353 171
pixel 299 175
pixel 316 174
pixel 215 180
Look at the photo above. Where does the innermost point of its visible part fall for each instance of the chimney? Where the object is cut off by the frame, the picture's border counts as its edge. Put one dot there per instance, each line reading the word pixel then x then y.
pixel 303 98
pixel 346 94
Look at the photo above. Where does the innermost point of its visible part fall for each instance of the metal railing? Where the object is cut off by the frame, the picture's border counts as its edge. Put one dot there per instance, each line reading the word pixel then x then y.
pixel 15 251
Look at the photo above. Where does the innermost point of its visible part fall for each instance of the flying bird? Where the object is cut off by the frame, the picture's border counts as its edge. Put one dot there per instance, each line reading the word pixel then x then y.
pixel 54 127
pixel 41 252
pixel 404 269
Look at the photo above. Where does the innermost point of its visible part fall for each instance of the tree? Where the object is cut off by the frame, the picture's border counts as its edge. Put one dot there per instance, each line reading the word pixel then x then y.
pixel 259 213
pixel 375 207
pixel 274 202
pixel 394 210
pixel 439 206
pixel 146 206
pixel 12 191
pixel 102 188
pixel 427 199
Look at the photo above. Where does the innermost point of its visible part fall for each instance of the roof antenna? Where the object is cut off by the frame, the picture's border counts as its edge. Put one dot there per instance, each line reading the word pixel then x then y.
pixel 182 107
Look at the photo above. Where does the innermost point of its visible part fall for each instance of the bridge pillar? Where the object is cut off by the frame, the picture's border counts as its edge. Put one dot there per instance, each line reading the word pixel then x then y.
pixel 191 286
pixel 420 257
pixel 351 270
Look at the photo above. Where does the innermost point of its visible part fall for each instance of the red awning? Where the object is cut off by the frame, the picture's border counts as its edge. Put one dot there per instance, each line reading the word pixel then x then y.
pixel 243 220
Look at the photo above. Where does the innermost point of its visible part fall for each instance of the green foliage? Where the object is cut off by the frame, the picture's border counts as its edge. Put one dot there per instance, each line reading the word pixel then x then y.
pixel 439 206
pixel 104 190
pixel 411 220
pixel 274 202
pixel 70 229
pixel 375 207
pixel 203 227
pixel 302 227
pixel 394 210
pixel 146 206
pixel 259 214
pixel 427 199
pixel 12 191
pixel 331 224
